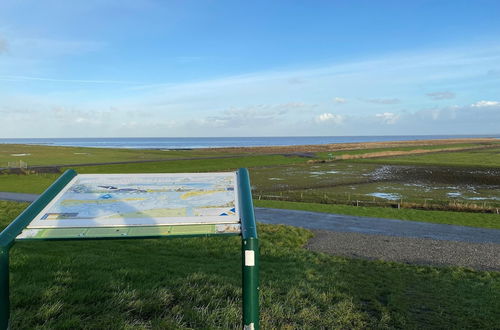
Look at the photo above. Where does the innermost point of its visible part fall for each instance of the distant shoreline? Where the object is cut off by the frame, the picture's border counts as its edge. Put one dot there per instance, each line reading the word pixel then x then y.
pixel 234 142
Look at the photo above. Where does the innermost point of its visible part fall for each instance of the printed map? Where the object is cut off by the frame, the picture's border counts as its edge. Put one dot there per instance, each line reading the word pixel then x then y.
pixel 93 200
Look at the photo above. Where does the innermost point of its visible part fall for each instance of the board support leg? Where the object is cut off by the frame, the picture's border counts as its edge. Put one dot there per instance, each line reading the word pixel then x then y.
pixel 250 271
pixel 4 288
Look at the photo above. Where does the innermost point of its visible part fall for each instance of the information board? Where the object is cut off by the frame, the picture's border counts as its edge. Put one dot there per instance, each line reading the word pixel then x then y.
pixel 111 200
pixel 122 206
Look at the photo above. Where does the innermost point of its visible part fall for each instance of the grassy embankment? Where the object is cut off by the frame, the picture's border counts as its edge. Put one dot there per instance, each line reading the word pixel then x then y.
pixel 195 283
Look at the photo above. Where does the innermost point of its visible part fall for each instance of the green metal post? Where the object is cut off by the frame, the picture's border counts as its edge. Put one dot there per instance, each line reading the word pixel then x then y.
pixel 9 234
pixel 250 252
pixel 4 288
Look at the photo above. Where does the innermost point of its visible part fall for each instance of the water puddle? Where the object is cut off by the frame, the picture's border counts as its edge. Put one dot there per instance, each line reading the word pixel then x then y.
pixel 323 172
pixel 388 196
pixel 483 198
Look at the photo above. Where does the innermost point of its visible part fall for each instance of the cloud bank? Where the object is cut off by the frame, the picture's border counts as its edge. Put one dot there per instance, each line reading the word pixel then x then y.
pixel 289 102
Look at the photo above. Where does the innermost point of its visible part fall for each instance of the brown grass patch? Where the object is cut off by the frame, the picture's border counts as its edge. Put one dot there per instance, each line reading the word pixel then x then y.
pixel 354 146
pixel 401 153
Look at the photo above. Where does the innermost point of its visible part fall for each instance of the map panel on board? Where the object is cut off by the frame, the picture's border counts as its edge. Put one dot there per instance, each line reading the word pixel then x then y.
pixel 113 200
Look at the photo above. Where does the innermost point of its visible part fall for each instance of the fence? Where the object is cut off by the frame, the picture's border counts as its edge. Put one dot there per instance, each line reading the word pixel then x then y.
pixel 361 200
pixel 18 164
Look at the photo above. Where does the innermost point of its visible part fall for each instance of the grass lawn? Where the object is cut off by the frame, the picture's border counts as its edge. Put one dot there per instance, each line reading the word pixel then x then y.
pixel 29 184
pixel 194 165
pixel 196 283
pixel 480 220
pixel 472 158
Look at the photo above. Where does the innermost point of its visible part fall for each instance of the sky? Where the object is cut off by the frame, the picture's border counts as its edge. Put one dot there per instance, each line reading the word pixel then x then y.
pixel 127 68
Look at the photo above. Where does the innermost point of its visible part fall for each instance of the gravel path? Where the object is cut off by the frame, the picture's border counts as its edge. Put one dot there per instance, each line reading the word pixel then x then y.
pixel 394 240
pixel 377 226
pixel 423 251
pixel 17 197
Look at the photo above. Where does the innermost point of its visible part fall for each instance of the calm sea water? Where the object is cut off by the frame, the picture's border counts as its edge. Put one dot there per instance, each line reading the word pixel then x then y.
pixel 219 142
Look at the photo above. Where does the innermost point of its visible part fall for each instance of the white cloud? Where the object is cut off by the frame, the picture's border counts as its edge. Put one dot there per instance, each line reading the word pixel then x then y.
pixel 289 105
pixel 296 81
pixel 441 95
pixel 41 47
pixel 483 104
pixel 77 81
pixel 330 117
pixel 255 116
pixel 388 117
pixel 4 46
pixel 383 101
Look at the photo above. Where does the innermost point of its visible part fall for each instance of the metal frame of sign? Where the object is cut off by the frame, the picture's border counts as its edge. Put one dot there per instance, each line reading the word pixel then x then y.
pixel 246 227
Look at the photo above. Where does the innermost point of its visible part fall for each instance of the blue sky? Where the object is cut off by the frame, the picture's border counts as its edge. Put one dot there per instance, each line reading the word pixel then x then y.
pixel 100 68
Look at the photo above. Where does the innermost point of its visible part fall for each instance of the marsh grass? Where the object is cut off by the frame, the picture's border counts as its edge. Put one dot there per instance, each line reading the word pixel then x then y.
pixel 489 157
pixel 362 151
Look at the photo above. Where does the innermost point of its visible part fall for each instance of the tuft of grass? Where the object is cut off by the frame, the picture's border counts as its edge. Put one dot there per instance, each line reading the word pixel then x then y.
pixel 480 220
pixel 196 283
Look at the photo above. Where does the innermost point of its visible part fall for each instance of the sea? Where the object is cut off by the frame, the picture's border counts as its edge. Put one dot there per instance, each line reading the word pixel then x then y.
pixel 221 142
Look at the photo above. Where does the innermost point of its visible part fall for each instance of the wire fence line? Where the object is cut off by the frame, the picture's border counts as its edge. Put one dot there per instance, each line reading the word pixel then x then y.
pixel 362 200
pixel 17 164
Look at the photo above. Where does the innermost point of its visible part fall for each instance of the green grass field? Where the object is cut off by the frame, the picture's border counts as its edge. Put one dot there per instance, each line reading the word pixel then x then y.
pixel 37 183
pixel 196 283
pixel 194 165
pixel 292 169
pixel 480 220
pixel 53 155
